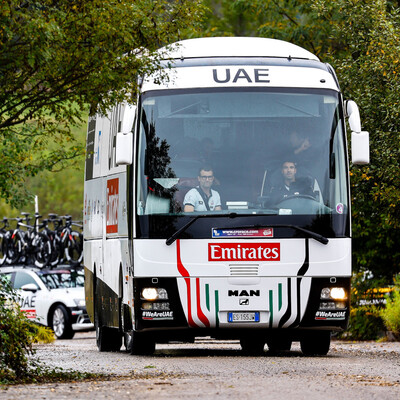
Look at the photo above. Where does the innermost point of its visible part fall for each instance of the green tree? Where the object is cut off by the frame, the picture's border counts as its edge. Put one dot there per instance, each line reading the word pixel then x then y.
pixel 58 57
pixel 290 20
pixel 369 69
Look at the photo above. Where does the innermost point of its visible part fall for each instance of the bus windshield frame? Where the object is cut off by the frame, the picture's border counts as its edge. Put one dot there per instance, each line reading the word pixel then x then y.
pixel 244 138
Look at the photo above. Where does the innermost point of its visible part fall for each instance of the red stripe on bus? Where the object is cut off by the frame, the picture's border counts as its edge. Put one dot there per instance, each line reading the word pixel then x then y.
pixel 200 313
pixel 182 270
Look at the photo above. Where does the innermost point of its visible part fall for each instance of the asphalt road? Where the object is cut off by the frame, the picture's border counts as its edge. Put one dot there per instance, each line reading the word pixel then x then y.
pixel 211 369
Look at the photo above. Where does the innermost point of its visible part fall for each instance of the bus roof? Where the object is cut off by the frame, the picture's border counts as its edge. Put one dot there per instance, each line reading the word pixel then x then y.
pixel 237 47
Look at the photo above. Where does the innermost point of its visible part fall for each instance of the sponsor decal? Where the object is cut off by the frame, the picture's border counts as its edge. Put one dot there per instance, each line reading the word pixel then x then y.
pixel 151 315
pixel 112 205
pixel 330 315
pixel 262 232
pixel 239 75
pixel 27 302
pixel 97 153
pixel 30 314
pixel 249 293
pixel 339 208
pixel 244 252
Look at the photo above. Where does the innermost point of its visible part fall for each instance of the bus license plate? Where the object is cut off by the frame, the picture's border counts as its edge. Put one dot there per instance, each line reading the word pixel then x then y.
pixel 244 316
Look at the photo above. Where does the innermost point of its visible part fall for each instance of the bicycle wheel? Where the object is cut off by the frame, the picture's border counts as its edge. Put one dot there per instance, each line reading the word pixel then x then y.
pixel 14 249
pixel 56 252
pixel 41 245
pixel 74 248
pixel 3 249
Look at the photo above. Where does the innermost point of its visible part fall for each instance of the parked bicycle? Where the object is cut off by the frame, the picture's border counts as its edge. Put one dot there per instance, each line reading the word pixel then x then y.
pixel 40 245
pixel 4 237
pixel 72 241
pixel 27 244
pixel 67 243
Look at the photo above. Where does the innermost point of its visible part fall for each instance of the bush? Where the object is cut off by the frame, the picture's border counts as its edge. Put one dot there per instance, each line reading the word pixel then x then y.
pixel 391 313
pixel 17 334
pixel 44 334
pixel 365 323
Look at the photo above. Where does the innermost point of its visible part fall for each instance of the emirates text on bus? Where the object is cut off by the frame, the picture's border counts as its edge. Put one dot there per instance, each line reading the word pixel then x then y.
pixel 244 252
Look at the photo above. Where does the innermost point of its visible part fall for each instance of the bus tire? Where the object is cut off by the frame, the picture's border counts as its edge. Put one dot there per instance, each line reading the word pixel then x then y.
pixel 108 339
pixel 141 344
pixel 277 344
pixel 253 346
pixel 316 343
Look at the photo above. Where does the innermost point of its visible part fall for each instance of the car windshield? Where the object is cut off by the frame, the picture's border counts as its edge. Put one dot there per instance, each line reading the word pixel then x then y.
pixel 62 279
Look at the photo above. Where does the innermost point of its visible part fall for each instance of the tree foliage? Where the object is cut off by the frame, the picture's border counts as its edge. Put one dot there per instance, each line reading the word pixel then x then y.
pixel 369 69
pixel 59 56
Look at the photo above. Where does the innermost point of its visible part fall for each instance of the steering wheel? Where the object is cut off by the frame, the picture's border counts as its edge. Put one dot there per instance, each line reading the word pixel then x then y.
pixel 297 196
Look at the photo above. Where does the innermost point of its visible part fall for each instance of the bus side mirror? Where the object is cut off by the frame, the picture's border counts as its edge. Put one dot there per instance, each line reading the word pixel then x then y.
pixel 360 148
pixel 124 148
pixel 124 145
pixel 359 139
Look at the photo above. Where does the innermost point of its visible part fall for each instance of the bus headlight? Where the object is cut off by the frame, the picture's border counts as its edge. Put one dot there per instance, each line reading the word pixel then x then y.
pixel 338 293
pixel 152 294
pixel 335 293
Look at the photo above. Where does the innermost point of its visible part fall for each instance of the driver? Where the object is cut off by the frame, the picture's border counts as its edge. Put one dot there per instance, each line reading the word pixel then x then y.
pixel 290 185
pixel 202 197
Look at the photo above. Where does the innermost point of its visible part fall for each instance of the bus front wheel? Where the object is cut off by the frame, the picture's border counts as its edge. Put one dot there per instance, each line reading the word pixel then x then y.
pixel 141 344
pixel 252 345
pixel 316 343
pixel 278 344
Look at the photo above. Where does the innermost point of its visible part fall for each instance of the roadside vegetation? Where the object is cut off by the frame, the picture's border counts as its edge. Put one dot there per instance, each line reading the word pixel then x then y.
pixel 17 337
pixel 391 313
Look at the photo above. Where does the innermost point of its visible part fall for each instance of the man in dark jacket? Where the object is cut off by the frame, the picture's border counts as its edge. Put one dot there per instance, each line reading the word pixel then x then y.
pixel 290 185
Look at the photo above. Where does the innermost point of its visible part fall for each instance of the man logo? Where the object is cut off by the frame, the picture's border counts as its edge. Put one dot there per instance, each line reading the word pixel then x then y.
pixel 244 302
pixel 244 293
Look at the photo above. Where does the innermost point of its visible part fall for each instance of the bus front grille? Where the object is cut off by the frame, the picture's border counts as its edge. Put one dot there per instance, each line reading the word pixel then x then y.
pixel 244 270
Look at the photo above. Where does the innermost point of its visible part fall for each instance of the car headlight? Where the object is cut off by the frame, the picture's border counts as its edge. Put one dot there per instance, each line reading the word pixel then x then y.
pixel 80 302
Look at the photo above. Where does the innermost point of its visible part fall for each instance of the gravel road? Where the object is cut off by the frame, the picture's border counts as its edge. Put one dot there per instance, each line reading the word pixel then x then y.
pixel 211 369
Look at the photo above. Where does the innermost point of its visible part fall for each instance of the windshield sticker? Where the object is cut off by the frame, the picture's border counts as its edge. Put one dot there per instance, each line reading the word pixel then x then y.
pixel 261 232
pixel 339 208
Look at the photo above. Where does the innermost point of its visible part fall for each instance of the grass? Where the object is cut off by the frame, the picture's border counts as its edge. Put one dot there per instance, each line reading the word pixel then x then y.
pixel 42 374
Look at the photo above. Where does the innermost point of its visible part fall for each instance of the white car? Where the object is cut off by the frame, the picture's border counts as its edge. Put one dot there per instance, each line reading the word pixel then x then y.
pixel 52 297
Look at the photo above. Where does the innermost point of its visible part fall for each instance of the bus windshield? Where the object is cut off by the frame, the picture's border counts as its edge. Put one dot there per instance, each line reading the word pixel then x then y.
pixel 262 151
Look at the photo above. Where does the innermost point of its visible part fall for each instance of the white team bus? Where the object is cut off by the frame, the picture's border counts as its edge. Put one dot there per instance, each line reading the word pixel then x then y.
pixel 268 260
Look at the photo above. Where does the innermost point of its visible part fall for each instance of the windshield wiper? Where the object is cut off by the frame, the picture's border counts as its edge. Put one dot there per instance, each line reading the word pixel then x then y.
pixel 320 238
